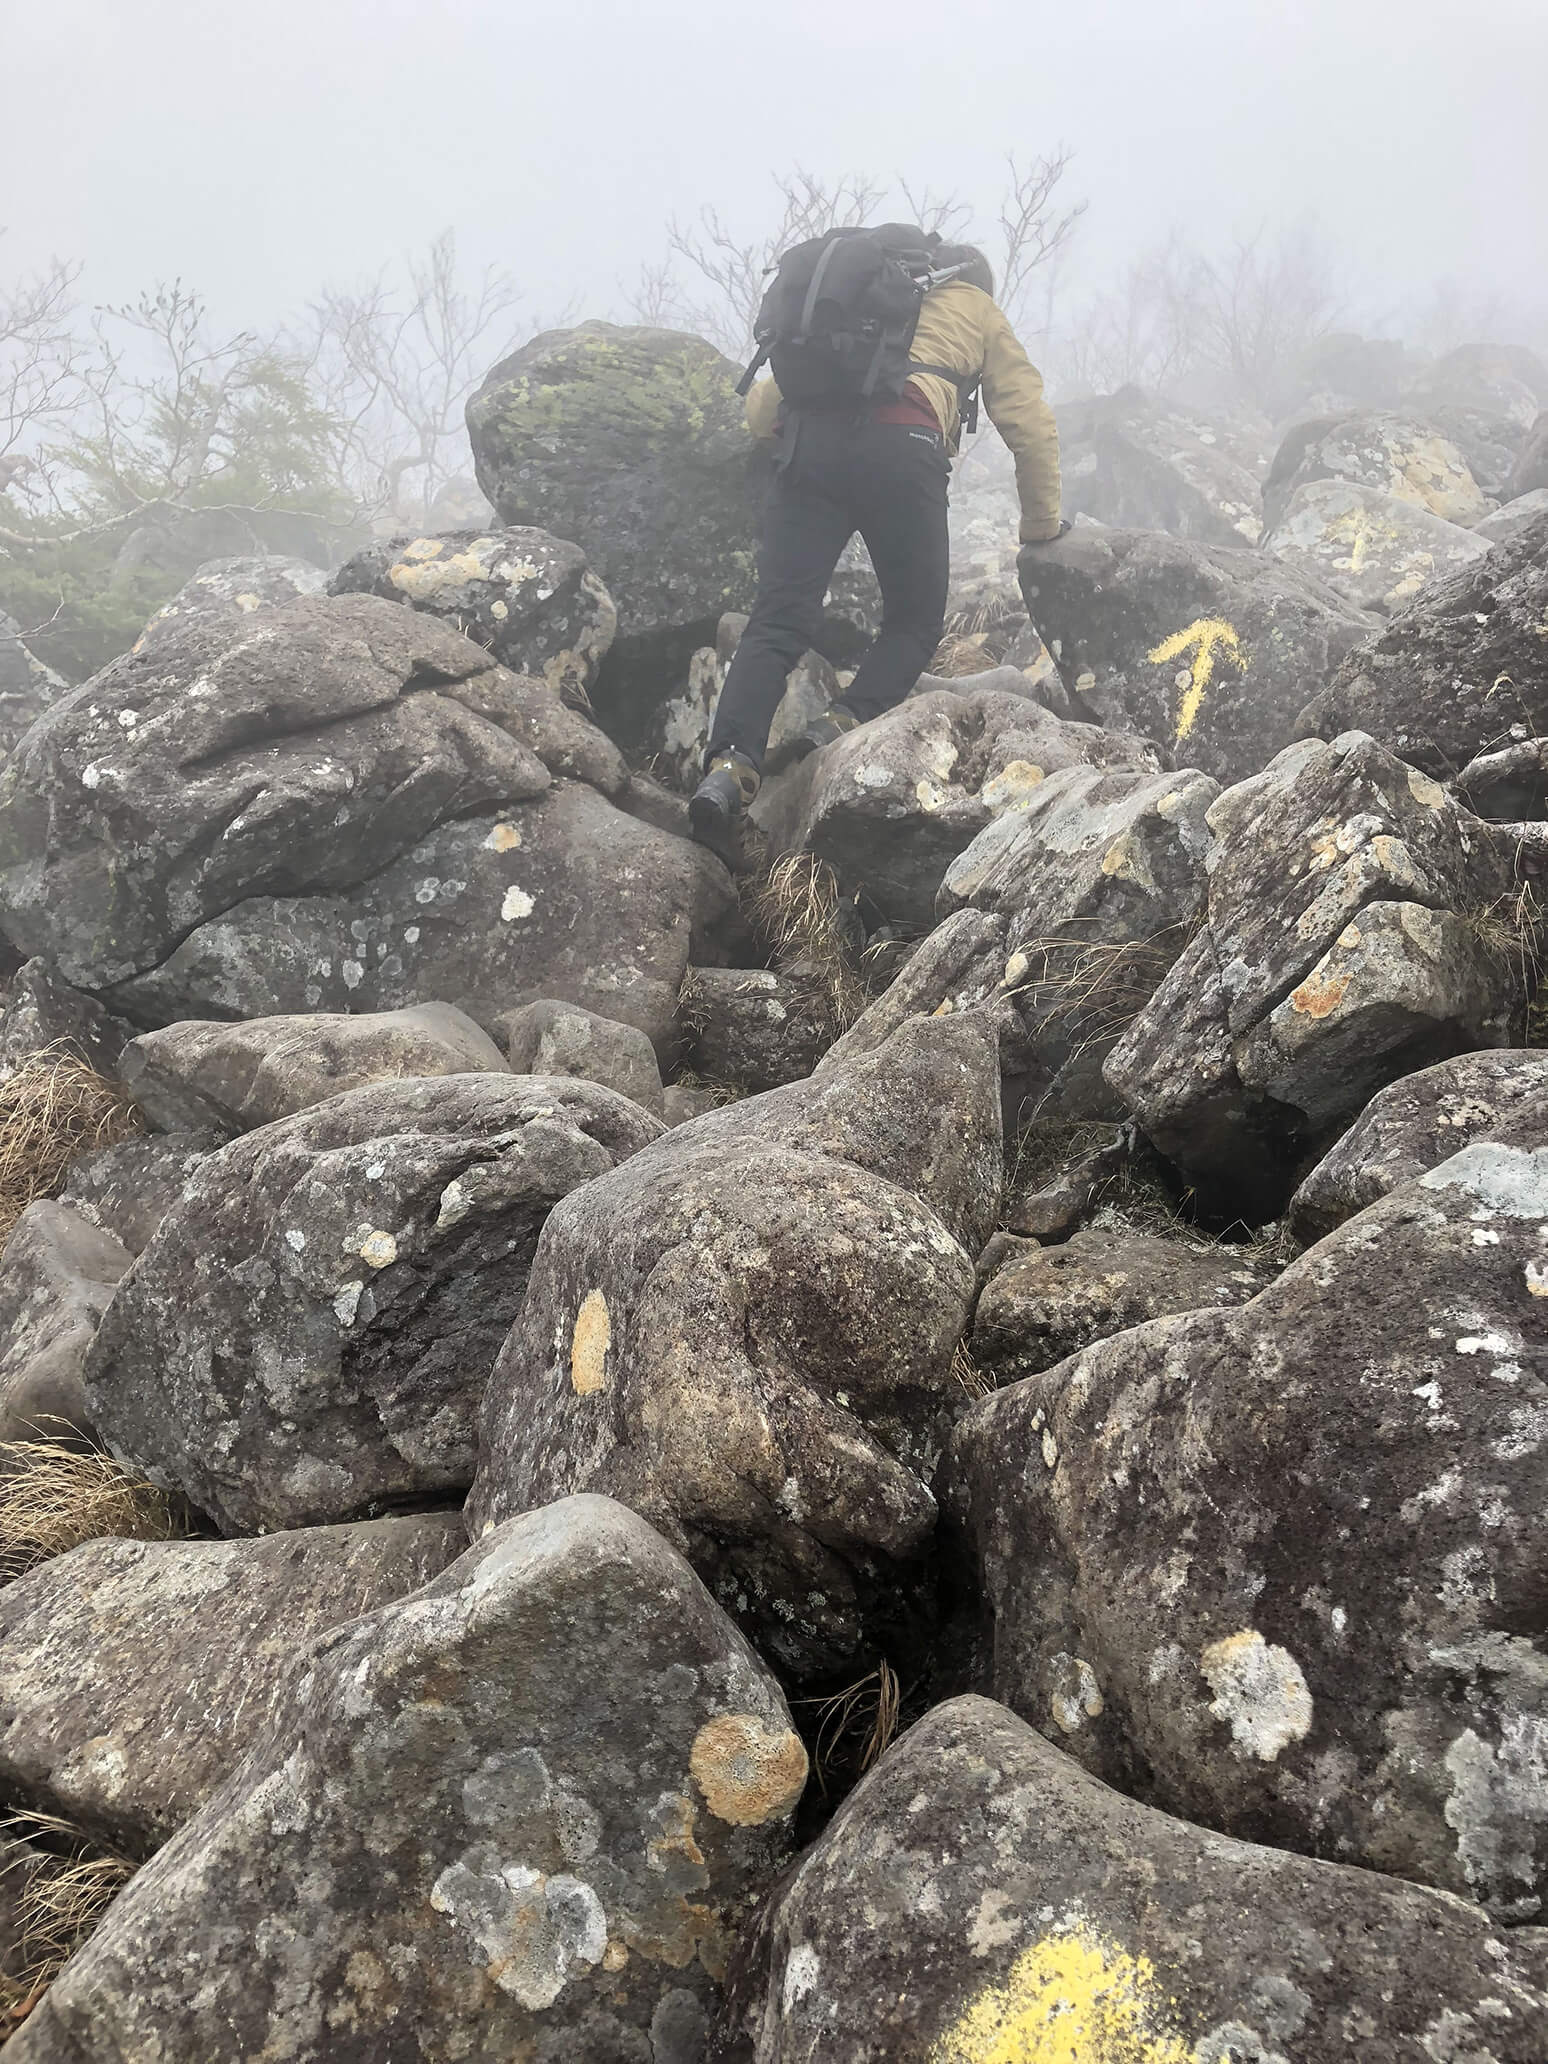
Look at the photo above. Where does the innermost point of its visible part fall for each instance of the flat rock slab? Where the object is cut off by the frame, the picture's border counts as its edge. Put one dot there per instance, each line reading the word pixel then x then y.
pixel 521 1813
pixel 136 1675
pixel 979 1898
pixel 230 1078
pixel 308 1335
pixel 1207 650
pixel 747 1334
pixel 1275 1569
pixel 1049 1304
pixel 1375 549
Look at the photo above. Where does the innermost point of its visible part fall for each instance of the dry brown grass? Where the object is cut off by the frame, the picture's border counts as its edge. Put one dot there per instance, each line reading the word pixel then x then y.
pixel 719 1093
pixel 70 1886
pixel 52 1498
pixel 1097 986
pixel 795 910
pixel 53 1106
pixel 967 1374
pixel 856 1725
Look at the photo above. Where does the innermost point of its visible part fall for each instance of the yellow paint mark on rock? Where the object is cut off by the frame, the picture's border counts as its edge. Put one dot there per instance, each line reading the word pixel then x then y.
pixel 1075 1997
pixel 749 1771
pixel 377 1249
pixel 1209 638
pixel 503 839
pixel 1537 1278
pixel 1425 791
pixel 1322 992
pixel 590 1344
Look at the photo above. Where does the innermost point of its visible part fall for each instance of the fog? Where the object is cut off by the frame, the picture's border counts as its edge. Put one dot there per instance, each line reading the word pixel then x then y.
pixel 258 153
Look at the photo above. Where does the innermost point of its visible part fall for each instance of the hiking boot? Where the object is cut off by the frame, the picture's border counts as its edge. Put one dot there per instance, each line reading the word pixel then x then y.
pixel 716 806
pixel 833 723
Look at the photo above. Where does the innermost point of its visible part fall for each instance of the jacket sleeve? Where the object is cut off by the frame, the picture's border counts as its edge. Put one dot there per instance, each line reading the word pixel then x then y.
pixel 763 400
pixel 1013 395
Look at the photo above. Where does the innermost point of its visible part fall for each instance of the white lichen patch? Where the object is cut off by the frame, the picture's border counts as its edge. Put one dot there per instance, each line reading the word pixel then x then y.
pixel 347 1302
pixel 1075 1696
pixel 516 903
pixel 532 1930
pixel 1259 1691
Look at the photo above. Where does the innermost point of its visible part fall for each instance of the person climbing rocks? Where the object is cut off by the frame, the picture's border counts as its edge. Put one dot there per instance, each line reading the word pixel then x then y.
pixel 879 341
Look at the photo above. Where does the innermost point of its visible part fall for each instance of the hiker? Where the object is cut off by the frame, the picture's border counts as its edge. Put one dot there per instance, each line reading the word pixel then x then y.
pixel 878 342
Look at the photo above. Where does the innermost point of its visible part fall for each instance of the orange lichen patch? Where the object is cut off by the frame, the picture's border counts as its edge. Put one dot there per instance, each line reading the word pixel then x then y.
pixel 749 1772
pixel 1322 992
pixel 590 1345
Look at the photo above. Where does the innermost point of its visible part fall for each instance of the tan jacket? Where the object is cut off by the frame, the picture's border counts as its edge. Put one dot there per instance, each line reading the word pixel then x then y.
pixel 960 326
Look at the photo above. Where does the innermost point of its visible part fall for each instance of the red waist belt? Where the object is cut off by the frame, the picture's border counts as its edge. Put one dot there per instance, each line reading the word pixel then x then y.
pixel 911 408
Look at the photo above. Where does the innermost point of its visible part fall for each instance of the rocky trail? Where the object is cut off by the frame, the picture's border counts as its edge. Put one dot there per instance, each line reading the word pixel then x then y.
pixel 932 1450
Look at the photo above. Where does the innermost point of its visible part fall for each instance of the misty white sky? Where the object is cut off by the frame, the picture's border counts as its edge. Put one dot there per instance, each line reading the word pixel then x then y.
pixel 257 151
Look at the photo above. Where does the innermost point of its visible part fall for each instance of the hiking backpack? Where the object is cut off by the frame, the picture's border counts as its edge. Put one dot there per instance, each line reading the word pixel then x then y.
pixel 839 316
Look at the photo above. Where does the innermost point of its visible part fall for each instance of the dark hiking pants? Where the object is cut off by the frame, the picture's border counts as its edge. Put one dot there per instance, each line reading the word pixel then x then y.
pixel 886 480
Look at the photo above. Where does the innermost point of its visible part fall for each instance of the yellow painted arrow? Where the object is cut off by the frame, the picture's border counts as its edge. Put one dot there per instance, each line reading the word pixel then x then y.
pixel 1207 637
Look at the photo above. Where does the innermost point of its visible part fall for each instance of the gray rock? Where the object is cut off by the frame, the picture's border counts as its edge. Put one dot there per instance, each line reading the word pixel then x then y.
pixel 1420 1121
pixel 1490 443
pixel 563 896
pixel 1503 379
pixel 1348 939
pixel 127 1190
pixel 747 1332
pixel 1137 463
pixel 308 1335
pixel 675 735
pixel 1375 549
pixel 42 1009
pixel 530 599
pixel 227 590
pixel 1514 517
pixel 229 1078
pixel 1460 672
pixel 1053 1302
pixel 1398 454
pixel 521 1813
pixel 549 1038
pixel 1531 468
pixel 1203 648
pixel 890 805
pixel 751 1028
pixel 980 1898
pixel 57 1277
pixel 297 751
pixel 1296 1546
pixel 27 687
pixel 136 1675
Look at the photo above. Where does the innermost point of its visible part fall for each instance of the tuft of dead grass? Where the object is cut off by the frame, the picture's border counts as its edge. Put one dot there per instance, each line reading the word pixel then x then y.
pixel 796 910
pixel 71 1883
pixel 967 1373
pixel 856 1725
pixel 54 1106
pixel 52 1498
pixel 1096 986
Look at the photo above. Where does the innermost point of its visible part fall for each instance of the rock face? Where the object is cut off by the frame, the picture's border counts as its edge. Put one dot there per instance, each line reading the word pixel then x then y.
pixel 675 734
pixel 298 751
pixel 42 1010
pixel 128 1190
pixel 632 443
pixel 1399 455
pixel 136 1675
pixel 1289 1551
pixel 1449 678
pixel 751 1028
pixel 549 1038
pixel 1139 464
pixel 1516 516
pixel 1063 1921
pixel 1346 942
pixel 57 1278
pixel 520 1813
pixel 226 590
pixel 891 804
pixel 1045 1305
pixel 563 897
pixel 27 686
pixel 1207 650
pixel 1420 1121
pixel 530 599
pixel 308 1335
pixel 1531 468
pixel 747 1334
pixel 230 1078
pixel 1375 549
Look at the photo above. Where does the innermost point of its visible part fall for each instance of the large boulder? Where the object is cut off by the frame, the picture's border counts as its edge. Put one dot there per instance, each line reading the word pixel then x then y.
pixel 1453 674
pixel 1501 379
pixel 1350 936
pixel 226 590
pixel 552 1038
pixel 1514 517
pixel 136 1675
pixel 308 1335
pixel 228 1078
pixel 632 443
pixel 1293 1552
pixel 521 1813
pixel 1400 455
pixel 530 599
pixel 565 896
pixel 1419 1121
pixel 57 1277
pixel 890 805
pixel 981 1900
pixel 1138 463
pixel 27 686
pixel 1205 649
pixel 302 749
pixel 746 1333
pixel 751 1029
pixel 1373 548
